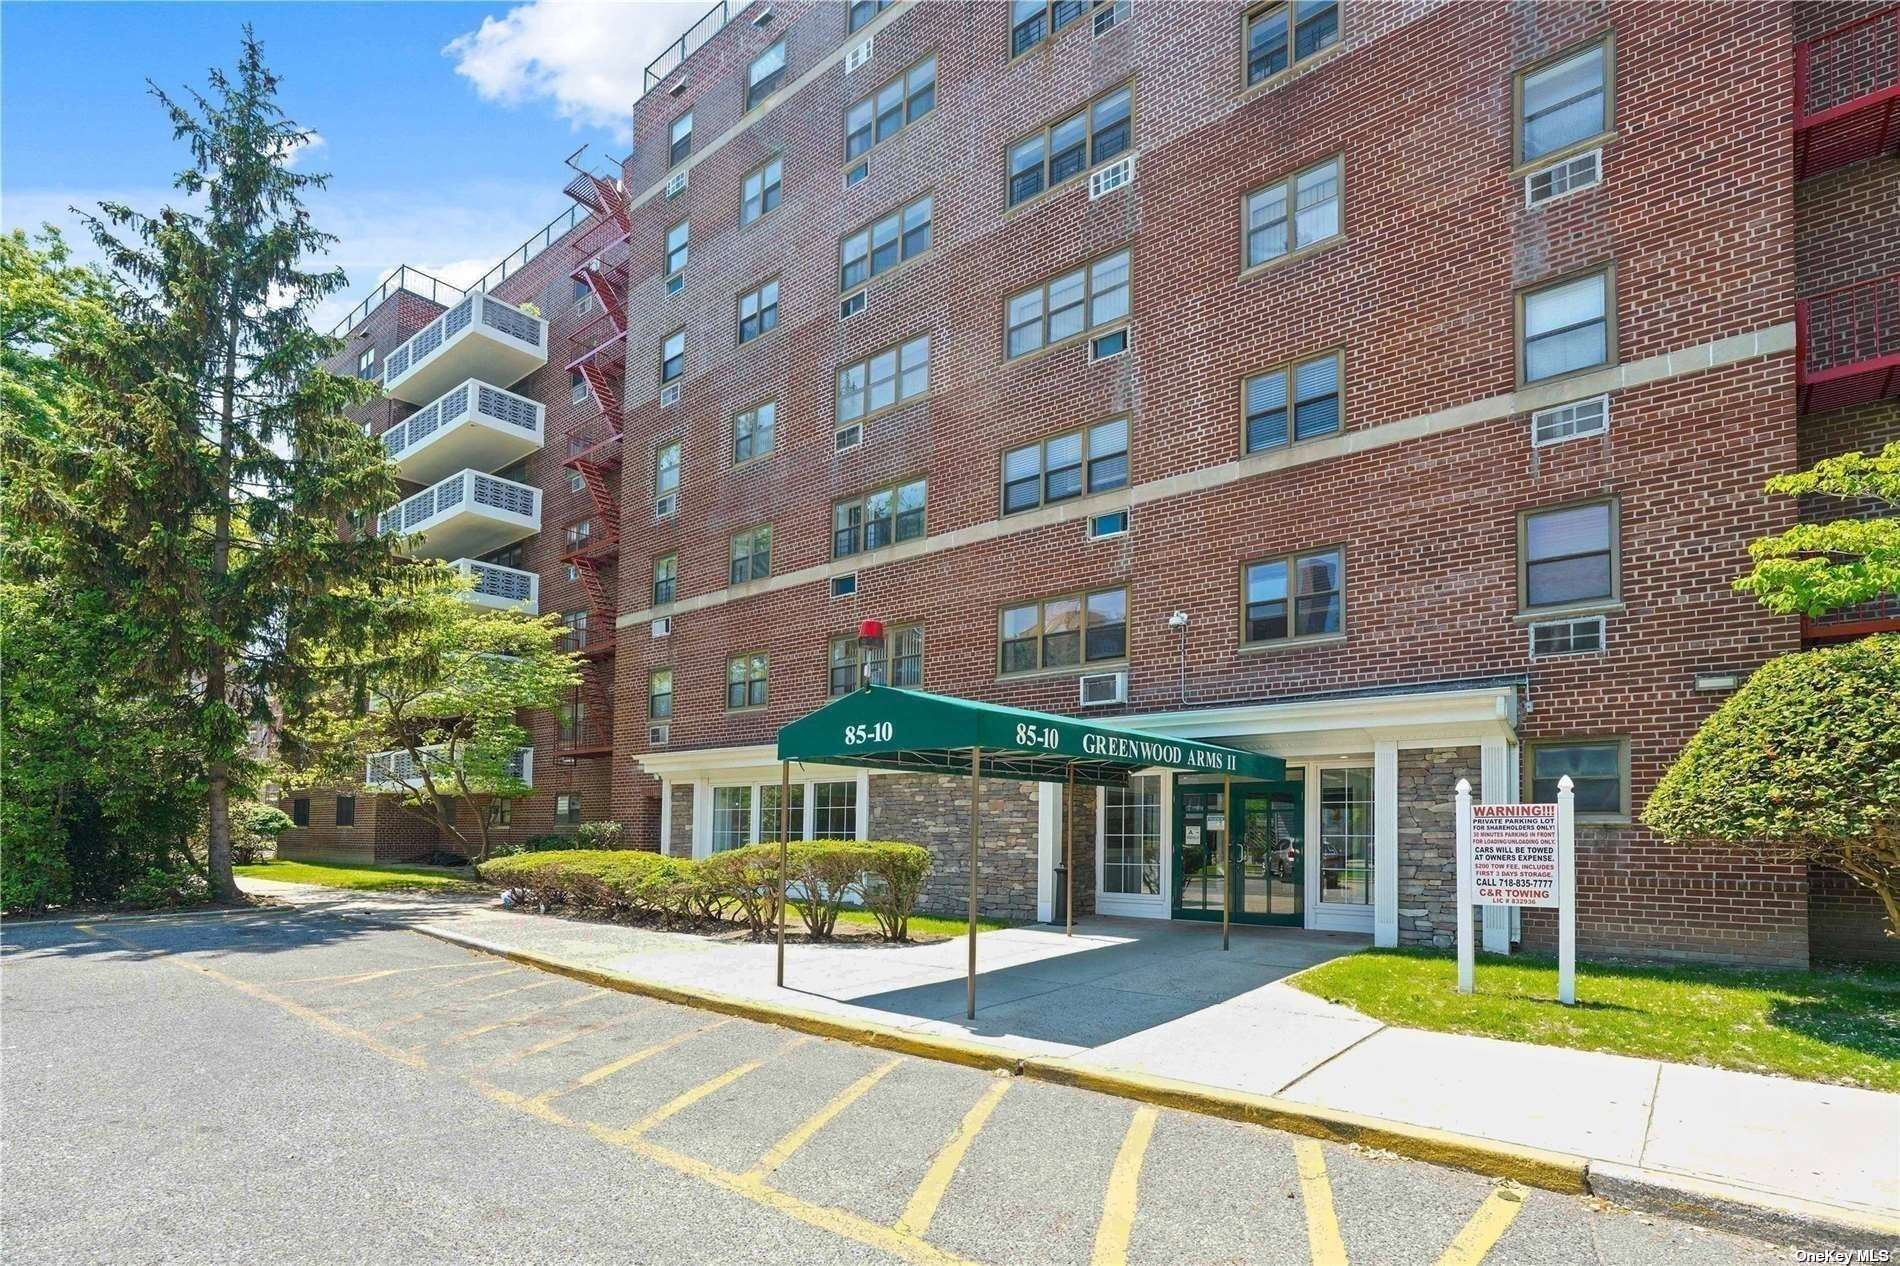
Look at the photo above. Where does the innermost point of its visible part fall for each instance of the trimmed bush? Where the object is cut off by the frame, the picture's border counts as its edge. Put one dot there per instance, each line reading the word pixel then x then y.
pixel 827 873
pixel 893 880
pixel 595 835
pixel 747 879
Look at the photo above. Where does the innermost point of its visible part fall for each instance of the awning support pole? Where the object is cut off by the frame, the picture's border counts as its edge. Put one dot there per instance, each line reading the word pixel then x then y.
pixel 784 820
pixel 1068 849
pixel 1227 862
pixel 976 794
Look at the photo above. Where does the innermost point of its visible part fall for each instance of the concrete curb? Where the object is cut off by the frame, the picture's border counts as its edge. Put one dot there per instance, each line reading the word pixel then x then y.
pixel 1745 1210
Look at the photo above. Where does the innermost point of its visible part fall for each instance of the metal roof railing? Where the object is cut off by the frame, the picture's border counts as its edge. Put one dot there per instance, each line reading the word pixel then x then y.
pixel 414 280
pixel 676 53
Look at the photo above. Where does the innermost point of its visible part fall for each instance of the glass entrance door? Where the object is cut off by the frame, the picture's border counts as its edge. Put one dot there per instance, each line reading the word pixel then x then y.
pixel 1263 850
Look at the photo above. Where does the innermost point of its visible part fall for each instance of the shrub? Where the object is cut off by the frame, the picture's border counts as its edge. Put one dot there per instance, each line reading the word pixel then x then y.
pixel 893 880
pixel 255 827
pixel 747 879
pixel 826 872
pixel 593 835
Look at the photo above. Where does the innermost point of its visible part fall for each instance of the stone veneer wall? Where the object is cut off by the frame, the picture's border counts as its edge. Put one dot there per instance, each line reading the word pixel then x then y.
pixel 1082 815
pixel 935 812
pixel 1428 856
pixel 680 830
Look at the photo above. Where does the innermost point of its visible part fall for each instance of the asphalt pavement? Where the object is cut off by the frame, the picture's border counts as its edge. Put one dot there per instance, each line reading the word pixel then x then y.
pixel 289 1087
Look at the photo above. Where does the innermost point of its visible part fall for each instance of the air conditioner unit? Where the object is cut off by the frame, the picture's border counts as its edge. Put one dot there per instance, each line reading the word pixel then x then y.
pixel 1106 180
pixel 677 88
pixel 663 627
pixel 676 184
pixel 593 265
pixel 1098 690
pixel 1559 179
pixel 1570 421
pixel 658 735
pixel 669 396
pixel 663 507
pixel 858 56
pixel 1584 635
pixel 1107 346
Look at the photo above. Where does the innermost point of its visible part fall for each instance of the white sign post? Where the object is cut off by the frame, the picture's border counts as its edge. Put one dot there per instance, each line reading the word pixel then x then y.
pixel 1519 855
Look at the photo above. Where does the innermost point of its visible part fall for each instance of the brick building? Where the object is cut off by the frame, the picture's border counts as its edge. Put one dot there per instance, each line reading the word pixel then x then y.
pixel 1386 386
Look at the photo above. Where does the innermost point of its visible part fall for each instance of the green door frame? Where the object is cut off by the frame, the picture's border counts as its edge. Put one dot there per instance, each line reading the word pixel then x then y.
pixel 1243 791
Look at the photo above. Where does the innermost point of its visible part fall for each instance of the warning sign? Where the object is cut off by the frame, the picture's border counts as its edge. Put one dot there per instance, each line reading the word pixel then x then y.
pixel 1514 854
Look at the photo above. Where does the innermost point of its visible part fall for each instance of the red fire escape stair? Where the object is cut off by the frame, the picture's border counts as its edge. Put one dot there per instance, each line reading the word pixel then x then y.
pixel 1847 94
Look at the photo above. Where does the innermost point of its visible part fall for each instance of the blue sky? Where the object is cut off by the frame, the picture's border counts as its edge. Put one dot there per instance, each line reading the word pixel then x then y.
pixel 443 125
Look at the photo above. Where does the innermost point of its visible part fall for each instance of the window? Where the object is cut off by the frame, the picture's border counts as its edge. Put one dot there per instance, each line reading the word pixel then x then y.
pixel 898 660
pixel 1065 632
pixel 834 811
pixel 583 296
pixel 751 553
pixel 1315 402
pixel 666 478
pixel 1290 215
pixel 578 534
pixel 1084 300
pixel 1094 459
pixel 1568 556
pixel 665 574
pixel 567 809
pixel 732 818
pixel 1345 836
pixel 680 142
pixel 863 11
pixel 893 107
pixel 366 363
pixel 877 519
pixel 673 356
pixel 1598 772
pixel 660 694
pixel 1563 103
pixel 573 719
pixel 1062 151
pixel 768 796
pixel 678 246
pixel 576 387
pixel 764 74
pixel 893 375
pixel 1300 596
pixel 871 252
pixel 758 311
pixel 761 193
pixel 501 813
pixel 752 432
pixel 576 482
pixel 745 681
pixel 1032 21
pixel 1274 42
pixel 346 810
pixel 1131 837
pixel 1566 327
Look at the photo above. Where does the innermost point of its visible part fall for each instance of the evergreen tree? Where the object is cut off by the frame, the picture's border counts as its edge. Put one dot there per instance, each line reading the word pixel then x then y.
pixel 209 465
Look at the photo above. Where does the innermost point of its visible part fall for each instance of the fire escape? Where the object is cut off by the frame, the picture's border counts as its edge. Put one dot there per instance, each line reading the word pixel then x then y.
pixel 1847 339
pixel 597 350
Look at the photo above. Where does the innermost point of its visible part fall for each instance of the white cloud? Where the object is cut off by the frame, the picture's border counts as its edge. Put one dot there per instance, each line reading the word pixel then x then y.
pixel 298 151
pixel 583 56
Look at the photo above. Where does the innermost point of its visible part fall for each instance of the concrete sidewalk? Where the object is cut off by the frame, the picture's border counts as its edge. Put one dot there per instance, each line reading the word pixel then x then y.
pixel 1162 999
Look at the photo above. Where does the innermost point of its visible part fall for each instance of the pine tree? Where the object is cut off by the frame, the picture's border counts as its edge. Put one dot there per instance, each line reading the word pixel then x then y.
pixel 212 466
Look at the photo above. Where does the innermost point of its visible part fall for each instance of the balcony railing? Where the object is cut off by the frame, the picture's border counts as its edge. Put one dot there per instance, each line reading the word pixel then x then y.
pixel 592 640
pixel 398 770
pixel 505 588
pixel 1847 344
pixel 1847 94
pixel 676 53
pixel 480 337
pixel 472 426
pixel 467 514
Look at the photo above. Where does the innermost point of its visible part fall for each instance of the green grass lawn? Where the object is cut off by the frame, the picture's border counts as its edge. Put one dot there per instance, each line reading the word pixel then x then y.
pixel 920 924
pixel 365 878
pixel 1840 1026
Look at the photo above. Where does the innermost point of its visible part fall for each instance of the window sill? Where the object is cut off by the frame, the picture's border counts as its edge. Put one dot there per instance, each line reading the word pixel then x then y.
pixel 1532 384
pixel 1078 670
pixel 740 712
pixel 1575 610
pixel 1072 340
pixel 1292 257
pixel 1291 644
pixel 1280 79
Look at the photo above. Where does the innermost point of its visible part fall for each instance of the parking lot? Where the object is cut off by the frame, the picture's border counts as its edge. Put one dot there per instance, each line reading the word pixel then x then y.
pixel 305 1087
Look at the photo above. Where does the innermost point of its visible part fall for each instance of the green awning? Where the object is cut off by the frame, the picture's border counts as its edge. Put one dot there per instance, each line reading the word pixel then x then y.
pixel 882 727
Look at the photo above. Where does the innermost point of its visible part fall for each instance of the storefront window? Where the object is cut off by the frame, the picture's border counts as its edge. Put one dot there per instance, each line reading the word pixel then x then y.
pixel 1131 837
pixel 1345 836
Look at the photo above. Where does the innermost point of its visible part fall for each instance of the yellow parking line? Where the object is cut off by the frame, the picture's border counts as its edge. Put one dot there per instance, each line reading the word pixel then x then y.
pixel 469 1035
pixel 782 1150
pixel 1322 1225
pixel 1118 1205
pixel 680 1102
pixel 560 1039
pixel 417 992
pixel 426 1012
pixel 915 1219
pixel 625 1061
pixel 359 977
pixel 1476 1237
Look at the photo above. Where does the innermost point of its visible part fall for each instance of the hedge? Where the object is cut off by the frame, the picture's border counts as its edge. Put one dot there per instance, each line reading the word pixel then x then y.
pixel 888 877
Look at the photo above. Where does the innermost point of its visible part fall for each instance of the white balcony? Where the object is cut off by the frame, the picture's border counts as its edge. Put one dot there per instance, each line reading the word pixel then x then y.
pixel 398 771
pixel 480 337
pixel 472 426
pixel 468 513
pixel 504 588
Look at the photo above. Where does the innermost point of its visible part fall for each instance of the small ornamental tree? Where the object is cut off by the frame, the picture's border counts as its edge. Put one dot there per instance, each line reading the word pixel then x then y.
pixel 439 682
pixel 1818 567
pixel 1803 764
